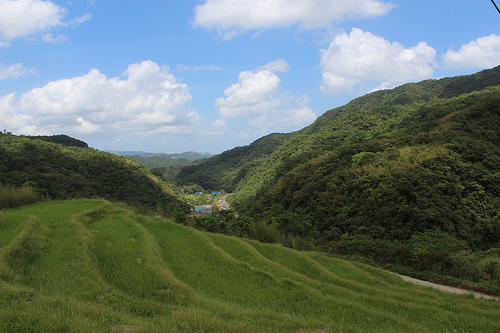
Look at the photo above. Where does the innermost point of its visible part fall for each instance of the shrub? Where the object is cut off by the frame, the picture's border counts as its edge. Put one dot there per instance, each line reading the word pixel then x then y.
pixel 264 232
pixel 14 197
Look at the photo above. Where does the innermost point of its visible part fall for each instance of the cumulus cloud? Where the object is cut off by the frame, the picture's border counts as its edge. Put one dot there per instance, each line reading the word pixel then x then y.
pixel 146 99
pixel 253 94
pixel 14 120
pixel 257 97
pixel 232 17
pixel 480 53
pixel 361 56
pixel 26 17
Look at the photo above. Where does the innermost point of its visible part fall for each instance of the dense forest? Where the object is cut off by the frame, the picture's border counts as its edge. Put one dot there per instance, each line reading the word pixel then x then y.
pixel 227 169
pixel 407 176
pixel 62 171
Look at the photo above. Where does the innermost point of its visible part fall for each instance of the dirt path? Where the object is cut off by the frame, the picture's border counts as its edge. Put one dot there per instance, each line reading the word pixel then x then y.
pixel 446 288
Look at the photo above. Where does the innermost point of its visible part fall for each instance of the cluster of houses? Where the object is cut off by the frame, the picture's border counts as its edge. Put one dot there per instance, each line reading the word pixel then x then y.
pixel 205 209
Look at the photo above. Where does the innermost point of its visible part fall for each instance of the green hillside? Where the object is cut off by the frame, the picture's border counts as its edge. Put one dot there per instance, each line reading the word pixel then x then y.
pixel 226 170
pixel 159 162
pixel 59 171
pixel 407 176
pixel 229 169
pixel 91 266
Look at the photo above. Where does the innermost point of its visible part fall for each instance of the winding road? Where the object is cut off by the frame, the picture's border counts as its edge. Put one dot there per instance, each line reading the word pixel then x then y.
pixel 446 288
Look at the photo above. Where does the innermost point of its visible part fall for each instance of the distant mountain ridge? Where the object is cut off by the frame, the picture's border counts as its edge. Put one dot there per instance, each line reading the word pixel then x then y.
pixel 188 155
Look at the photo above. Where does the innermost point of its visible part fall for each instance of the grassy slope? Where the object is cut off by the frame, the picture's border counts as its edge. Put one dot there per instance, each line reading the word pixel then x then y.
pixel 87 265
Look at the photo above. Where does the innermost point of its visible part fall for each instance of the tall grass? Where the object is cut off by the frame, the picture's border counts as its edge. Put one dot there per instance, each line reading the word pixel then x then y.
pixel 11 196
pixel 91 266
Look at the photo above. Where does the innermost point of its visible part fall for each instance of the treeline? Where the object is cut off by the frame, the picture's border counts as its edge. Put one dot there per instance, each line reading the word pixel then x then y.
pixel 59 138
pixel 60 172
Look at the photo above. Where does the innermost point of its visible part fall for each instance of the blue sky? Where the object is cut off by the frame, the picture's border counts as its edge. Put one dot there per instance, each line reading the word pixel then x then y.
pixel 209 75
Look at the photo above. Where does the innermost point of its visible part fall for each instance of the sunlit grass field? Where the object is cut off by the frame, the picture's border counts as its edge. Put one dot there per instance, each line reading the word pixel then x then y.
pixel 92 266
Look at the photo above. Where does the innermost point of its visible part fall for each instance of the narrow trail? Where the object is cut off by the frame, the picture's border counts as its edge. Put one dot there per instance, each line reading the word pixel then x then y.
pixel 446 288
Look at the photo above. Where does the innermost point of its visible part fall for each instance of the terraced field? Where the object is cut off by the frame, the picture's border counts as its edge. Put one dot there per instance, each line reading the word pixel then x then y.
pixel 92 266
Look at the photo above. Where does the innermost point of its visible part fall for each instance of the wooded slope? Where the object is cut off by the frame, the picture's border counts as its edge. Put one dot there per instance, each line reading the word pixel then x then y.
pixel 59 172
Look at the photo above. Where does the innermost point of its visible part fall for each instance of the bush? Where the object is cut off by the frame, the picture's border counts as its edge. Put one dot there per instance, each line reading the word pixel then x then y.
pixel 14 197
pixel 264 232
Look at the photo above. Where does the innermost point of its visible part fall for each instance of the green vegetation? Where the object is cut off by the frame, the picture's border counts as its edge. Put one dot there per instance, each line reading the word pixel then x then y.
pixel 59 172
pixel 61 139
pixel 159 162
pixel 92 266
pixel 238 168
pixel 405 177
pixel 14 197
pixel 225 171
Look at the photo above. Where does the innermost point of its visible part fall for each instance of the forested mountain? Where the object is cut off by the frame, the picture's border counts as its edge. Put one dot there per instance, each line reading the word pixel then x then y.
pixel 409 176
pixel 228 170
pixel 188 155
pixel 60 171
pixel 225 171
pixel 410 169
pixel 163 163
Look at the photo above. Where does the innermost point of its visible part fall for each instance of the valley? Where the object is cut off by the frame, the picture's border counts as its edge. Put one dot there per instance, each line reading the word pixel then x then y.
pixel 295 232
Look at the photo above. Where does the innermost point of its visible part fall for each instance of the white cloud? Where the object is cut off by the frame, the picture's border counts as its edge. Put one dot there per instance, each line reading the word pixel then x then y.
pixel 220 123
pixel 12 120
pixel 361 56
pixel 279 65
pixel 258 99
pixel 147 100
pixel 50 38
pixel 80 19
pixel 253 94
pixel 12 71
pixel 27 17
pixel 232 17
pixel 480 53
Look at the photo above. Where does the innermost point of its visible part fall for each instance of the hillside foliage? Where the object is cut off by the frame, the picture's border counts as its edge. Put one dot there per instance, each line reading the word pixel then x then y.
pixel 233 169
pixel 60 172
pixel 387 171
pixel 225 171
